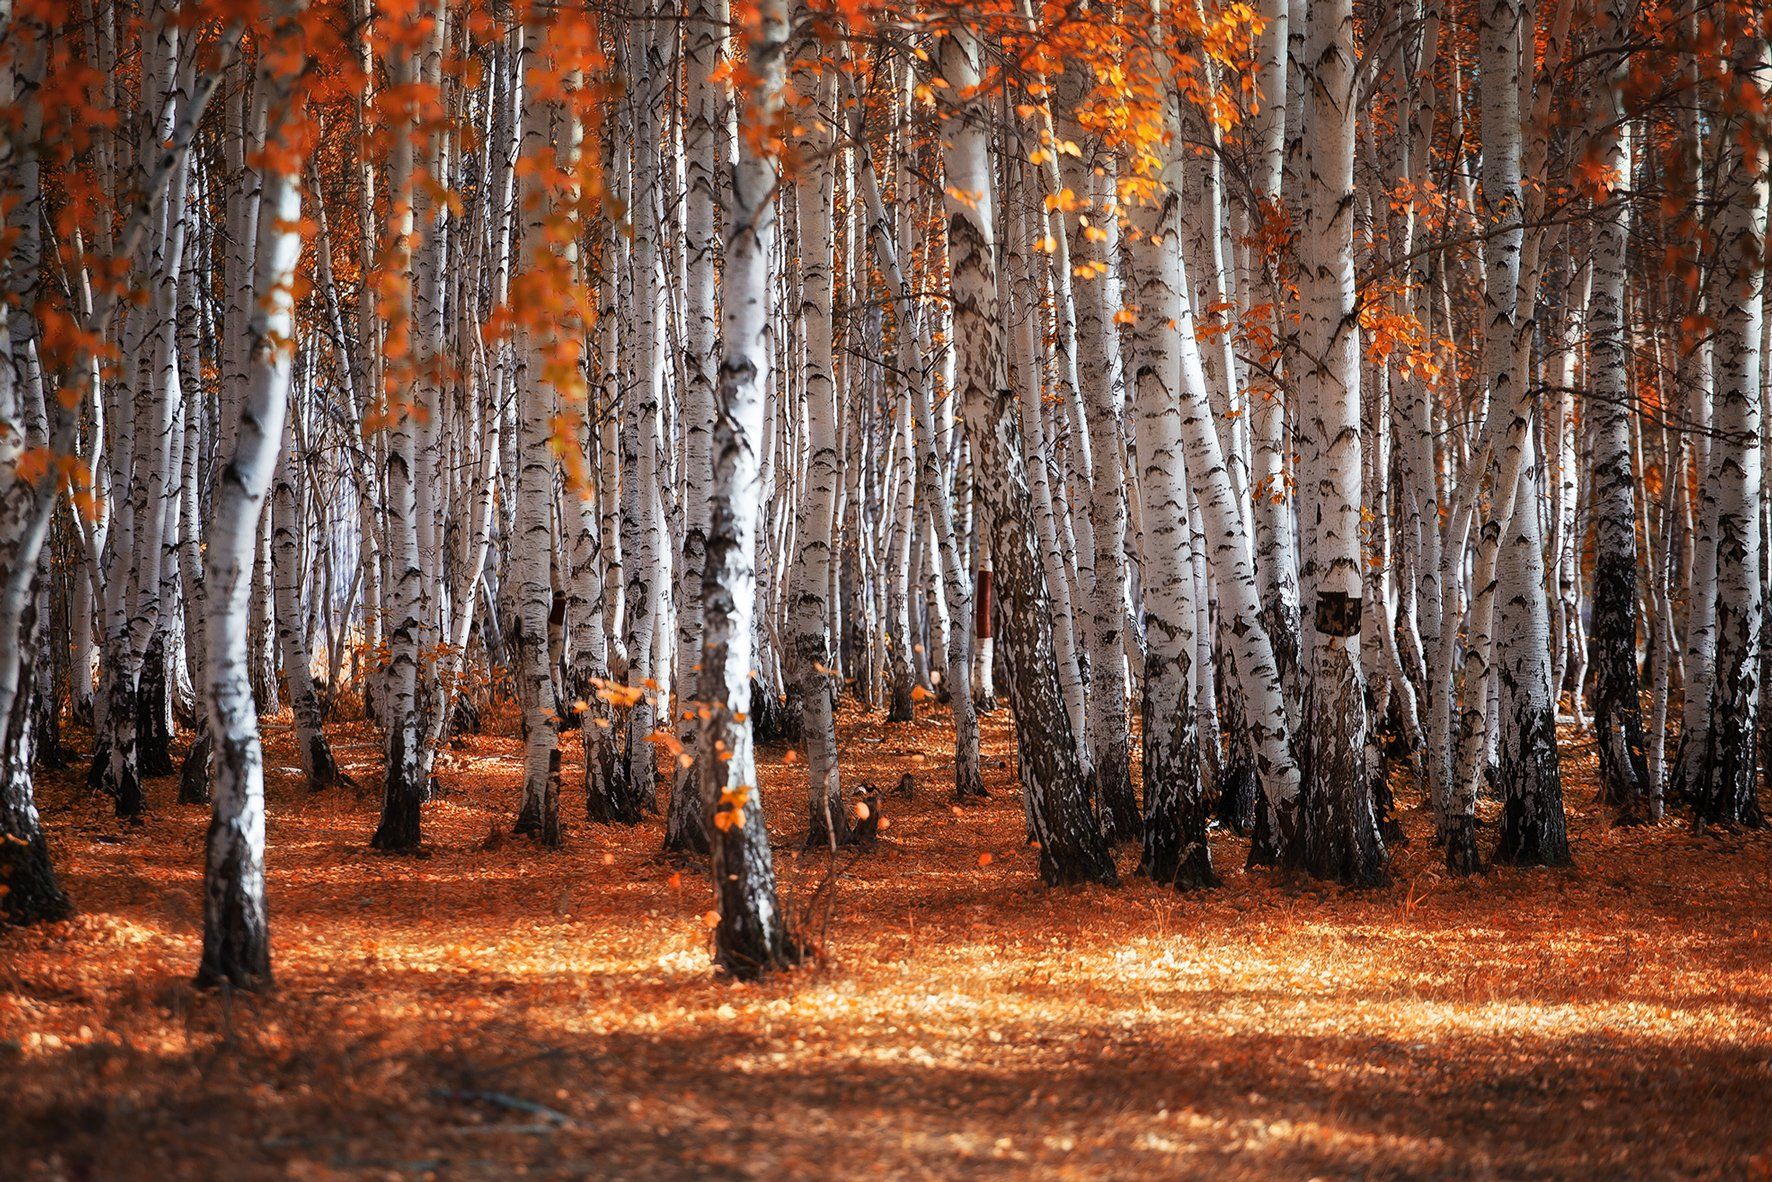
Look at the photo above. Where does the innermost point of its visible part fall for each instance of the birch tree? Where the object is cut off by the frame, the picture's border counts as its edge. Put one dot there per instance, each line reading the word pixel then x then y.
pixel 1175 809
pixel 1060 813
pixel 1618 723
pixel 236 924
pixel 1723 791
pixel 752 936
pixel 1339 833
pixel 815 193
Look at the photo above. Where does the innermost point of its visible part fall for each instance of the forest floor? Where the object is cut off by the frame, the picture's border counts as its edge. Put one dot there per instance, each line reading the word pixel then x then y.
pixel 492 1010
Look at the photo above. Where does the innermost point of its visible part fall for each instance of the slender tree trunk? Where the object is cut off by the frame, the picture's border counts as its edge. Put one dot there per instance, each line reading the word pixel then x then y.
pixel 1612 642
pixel 32 894
pixel 318 766
pixel 1723 790
pixel 404 786
pixel 1098 372
pixel 1533 831
pixel 705 170
pixel 1072 848
pixel 752 937
pixel 236 924
pixel 810 612
pixel 1339 834
pixel 532 548
pixel 1175 808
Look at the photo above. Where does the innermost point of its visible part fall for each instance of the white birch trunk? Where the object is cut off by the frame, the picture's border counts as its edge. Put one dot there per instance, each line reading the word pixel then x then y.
pixel 1339 837
pixel 236 932
pixel 752 937
pixel 1072 848
pixel 810 609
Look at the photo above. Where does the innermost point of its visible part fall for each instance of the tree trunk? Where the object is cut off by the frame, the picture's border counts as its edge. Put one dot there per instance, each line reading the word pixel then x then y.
pixel 403 787
pixel 1099 377
pixel 1339 832
pixel 315 753
pixel 1612 642
pixel 1072 848
pixel 751 938
pixel 1175 808
pixel 815 189
pixel 236 925
pixel 1723 790
pixel 1533 830
pixel 705 170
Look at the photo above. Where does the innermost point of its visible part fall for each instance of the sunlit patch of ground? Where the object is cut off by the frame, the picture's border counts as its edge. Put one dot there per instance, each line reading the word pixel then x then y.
pixel 492 1010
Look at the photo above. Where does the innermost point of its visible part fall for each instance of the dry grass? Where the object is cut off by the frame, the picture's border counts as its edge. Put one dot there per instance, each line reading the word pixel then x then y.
pixel 1606 1022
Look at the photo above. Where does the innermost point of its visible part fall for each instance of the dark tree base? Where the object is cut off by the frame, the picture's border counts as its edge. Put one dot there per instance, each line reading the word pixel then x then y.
pixel 607 811
pixel 748 957
pixel 818 832
pixel 399 831
pixel 1724 793
pixel 686 830
pixel 774 720
pixel 1175 849
pixel 153 742
pixel 242 962
pixel 1077 858
pixel 1462 857
pixel 236 926
pixel 618 798
pixel 32 895
pixel 326 773
pixel 1191 871
pixel 528 822
pixel 687 839
pixel 752 938
pixel 1266 841
pixel 1624 774
pixel 551 835
pixel 49 753
pixel 193 780
pixel 132 802
pixel 900 704
pixel 403 794
pixel 1534 831
pixel 1237 797
pixel 1531 837
pixel 1110 783
pixel 98 772
pixel 968 782
pixel 1384 802
pixel 1338 839
pixel 1722 787
pixel 1340 846
pixel 1618 714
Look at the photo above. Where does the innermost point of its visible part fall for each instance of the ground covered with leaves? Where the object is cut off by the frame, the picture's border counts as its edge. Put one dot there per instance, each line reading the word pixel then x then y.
pixel 491 1010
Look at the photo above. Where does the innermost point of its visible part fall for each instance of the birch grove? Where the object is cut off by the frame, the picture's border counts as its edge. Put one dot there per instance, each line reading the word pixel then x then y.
pixel 1293 416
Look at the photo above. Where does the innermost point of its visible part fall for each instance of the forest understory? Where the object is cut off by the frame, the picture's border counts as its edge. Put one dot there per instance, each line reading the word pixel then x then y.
pixel 488 1009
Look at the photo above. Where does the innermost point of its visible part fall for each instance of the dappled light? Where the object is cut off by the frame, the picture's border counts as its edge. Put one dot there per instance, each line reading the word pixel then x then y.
pixel 475 1010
